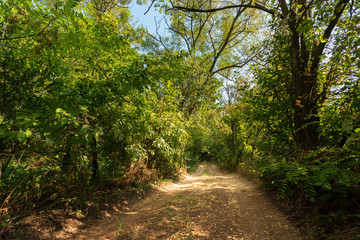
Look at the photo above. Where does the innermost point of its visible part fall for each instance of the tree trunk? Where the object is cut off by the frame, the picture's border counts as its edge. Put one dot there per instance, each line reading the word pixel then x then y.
pixel 94 161
pixel 304 88
pixel 66 161
pixel 305 73
pixel 306 122
pixel 305 105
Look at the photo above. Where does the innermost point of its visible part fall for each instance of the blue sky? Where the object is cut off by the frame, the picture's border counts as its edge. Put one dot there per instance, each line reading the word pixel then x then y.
pixel 146 20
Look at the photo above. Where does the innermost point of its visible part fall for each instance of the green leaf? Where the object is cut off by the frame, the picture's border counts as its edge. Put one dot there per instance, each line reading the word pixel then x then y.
pixel 59 110
pixel 28 133
pixel 347 125
pixel 88 137
pixel 326 186
pixel 21 136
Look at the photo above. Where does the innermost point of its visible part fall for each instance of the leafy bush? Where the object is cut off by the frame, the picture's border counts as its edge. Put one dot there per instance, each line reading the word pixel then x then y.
pixel 331 176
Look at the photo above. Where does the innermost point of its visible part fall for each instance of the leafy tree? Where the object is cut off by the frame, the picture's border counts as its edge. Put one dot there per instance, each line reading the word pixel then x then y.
pixel 81 104
pixel 309 26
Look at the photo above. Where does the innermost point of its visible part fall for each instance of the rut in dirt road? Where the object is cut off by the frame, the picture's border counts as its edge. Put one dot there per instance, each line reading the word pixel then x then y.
pixel 208 204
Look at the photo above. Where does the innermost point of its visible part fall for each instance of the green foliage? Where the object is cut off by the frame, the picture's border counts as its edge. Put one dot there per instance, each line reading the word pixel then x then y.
pixel 206 137
pixel 322 176
pixel 258 122
pixel 81 106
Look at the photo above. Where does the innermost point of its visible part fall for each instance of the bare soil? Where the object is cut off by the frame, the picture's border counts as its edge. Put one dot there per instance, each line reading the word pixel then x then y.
pixel 207 204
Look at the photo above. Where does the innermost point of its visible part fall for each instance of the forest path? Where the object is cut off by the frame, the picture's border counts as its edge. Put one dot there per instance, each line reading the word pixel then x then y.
pixel 207 204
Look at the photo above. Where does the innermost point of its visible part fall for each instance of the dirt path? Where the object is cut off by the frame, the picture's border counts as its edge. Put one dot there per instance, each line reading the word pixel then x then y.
pixel 208 204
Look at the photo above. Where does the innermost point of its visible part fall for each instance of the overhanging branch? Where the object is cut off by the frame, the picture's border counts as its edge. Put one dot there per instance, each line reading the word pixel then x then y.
pixel 200 10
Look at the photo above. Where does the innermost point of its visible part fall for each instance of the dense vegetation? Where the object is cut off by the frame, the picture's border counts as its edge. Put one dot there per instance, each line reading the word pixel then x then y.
pixel 81 105
pixel 87 99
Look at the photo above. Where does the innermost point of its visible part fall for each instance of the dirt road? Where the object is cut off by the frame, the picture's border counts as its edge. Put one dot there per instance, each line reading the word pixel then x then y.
pixel 208 204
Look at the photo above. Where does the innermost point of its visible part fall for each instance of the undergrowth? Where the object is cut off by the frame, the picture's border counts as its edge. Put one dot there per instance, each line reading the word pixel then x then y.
pixel 327 181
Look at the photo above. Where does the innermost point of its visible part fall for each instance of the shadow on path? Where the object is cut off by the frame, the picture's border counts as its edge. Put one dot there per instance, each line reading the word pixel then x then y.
pixel 208 204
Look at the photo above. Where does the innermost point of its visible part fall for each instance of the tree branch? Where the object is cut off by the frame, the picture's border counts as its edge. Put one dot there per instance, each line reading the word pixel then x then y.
pixel 32 35
pixel 202 25
pixel 284 7
pixel 191 9
pixel 237 65
pixel 318 50
pixel 304 13
pixel 149 7
pixel 226 41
